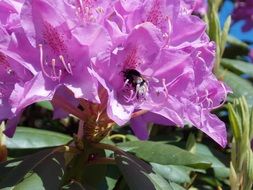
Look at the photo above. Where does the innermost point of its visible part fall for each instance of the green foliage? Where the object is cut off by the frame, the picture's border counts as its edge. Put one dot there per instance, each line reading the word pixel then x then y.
pixel 164 154
pixel 240 86
pixel 42 170
pixel 31 138
pixel 240 116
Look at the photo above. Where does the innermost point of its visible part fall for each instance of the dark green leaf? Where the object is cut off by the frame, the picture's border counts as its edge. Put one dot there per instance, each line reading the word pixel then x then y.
pixel 237 66
pixel 164 154
pixel 234 122
pixel 145 178
pixel 173 173
pixel 41 170
pixel 220 170
pixel 238 43
pixel 75 185
pixel 235 48
pixel 239 86
pixel 30 180
pixel 28 138
pixel 112 176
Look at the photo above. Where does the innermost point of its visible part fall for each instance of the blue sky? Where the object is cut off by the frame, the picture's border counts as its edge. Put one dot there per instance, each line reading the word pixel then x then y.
pixel 235 30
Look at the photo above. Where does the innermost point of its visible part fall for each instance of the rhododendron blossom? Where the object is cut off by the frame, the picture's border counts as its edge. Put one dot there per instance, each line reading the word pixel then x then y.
pixel 201 6
pixel 151 59
pixel 243 12
pixel 164 68
pixel 12 73
pixel 60 55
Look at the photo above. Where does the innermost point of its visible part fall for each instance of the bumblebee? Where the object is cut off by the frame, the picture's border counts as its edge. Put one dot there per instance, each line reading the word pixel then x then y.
pixel 134 78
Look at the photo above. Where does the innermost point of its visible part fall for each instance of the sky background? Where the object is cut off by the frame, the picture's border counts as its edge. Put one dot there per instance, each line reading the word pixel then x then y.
pixel 235 30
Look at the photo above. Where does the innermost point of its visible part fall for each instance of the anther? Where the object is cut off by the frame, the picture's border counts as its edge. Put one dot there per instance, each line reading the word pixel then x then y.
pixel 55 76
pixel 66 66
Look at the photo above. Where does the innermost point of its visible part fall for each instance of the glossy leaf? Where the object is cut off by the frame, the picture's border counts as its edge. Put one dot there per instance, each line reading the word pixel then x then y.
pixel 31 180
pixel 238 43
pixel 237 66
pixel 46 165
pixel 239 86
pixel 173 173
pixel 133 168
pixel 164 154
pixel 29 138
pixel 112 177
pixel 220 170
pixel 235 48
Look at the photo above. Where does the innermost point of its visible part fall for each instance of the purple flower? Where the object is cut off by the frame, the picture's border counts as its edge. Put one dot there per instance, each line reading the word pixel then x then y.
pixel 9 13
pixel 60 52
pixel 200 7
pixel 160 66
pixel 57 47
pixel 12 73
pixel 244 11
pixel 152 67
pixel 196 6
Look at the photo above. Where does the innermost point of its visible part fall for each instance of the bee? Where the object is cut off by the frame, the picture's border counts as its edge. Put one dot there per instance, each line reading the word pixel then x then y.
pixel 138 83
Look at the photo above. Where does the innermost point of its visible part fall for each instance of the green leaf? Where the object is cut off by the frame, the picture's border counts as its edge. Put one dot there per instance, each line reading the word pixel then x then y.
pixel 112 176
pixel 220 170
pixel 29 138
pixel 235 48
pixel 237 66
pixel 173 173
pixel 45 104
pixel 224 34
pixel 75 185
pixel 46 165
pixel 6 167
pixel 133 168
pixel 238 43
pixel 31 180
pixel 239 86
pixel 164 154
pixel 234 122
pixel 215 30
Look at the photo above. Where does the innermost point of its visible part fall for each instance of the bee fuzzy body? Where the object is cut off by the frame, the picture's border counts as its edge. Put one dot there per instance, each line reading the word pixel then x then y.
pixel 134 79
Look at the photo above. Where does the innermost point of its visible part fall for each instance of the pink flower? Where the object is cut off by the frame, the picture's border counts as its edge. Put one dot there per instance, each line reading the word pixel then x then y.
pixel 160 66
pixel 56 44
pixel 12 73
pixel 60 52
pixel 9 13
pixel 244 11
pixel 152 57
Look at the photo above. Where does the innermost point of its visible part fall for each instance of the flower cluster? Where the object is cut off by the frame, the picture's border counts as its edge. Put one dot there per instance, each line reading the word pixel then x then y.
pixel 244 11
pixel 135 61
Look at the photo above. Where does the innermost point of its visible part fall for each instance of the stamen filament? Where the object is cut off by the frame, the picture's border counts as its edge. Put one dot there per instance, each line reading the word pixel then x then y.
pixel 66 66
pixel 54 77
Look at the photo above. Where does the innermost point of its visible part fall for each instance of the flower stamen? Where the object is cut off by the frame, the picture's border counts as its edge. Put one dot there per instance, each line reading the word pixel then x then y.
pixel 53 76
pixel 66 66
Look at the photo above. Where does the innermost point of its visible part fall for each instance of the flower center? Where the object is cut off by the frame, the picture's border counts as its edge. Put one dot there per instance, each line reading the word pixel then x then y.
pixel 155 15
pixel 87 10
pixel 60 61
